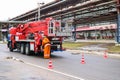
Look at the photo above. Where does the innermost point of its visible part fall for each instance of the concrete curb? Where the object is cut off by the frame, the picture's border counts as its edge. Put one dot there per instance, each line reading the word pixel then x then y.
pixel 101 53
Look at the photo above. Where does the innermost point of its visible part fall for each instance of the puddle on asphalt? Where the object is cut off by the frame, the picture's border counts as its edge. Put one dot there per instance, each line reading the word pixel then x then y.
pixel 13 58
pixel 32 78
pixel 9 57
pixel 75 53
pixel 4 78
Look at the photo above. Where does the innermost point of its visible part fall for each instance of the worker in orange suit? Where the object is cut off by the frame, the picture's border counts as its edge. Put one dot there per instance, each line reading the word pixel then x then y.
pixel 46 46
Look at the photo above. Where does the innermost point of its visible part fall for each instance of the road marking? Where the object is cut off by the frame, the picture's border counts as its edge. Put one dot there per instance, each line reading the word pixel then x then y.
pixel 58 72
pixel 54 71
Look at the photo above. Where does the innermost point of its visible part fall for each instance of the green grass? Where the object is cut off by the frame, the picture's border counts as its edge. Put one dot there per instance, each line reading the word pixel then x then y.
pixel 74 45
pixel 113 49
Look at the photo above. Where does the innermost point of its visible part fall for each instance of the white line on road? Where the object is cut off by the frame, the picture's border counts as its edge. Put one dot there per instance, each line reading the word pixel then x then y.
pixel 75 77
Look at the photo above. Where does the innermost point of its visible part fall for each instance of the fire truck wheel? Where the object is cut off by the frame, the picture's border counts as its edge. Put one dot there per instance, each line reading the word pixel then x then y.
pixel 27 49
pixel 10 47
pixel 22 49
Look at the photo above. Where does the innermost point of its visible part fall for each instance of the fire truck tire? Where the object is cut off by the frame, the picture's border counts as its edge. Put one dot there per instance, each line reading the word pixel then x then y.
pixel 10 47
pixel 27 49
pixel 22 48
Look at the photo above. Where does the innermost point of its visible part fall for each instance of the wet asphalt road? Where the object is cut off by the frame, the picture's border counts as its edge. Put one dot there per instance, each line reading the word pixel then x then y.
pixel 96 67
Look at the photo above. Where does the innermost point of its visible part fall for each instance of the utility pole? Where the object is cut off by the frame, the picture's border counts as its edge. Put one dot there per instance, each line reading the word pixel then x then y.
pixel 39 5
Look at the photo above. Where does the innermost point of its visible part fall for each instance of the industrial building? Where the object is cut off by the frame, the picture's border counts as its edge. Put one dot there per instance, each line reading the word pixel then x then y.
pixel 4 28
pixel 88 19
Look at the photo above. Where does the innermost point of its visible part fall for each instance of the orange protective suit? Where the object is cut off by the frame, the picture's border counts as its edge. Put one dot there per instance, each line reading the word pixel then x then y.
pixel 46 45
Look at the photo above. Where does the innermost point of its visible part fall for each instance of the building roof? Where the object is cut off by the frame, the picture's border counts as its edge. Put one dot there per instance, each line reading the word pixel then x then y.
pixel 48 5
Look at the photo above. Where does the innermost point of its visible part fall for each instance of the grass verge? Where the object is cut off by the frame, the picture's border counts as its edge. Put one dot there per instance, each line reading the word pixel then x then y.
pixel 113 49
pixel 74 45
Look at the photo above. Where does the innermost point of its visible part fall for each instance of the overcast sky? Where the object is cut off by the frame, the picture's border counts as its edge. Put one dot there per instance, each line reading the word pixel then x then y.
pixel 13 8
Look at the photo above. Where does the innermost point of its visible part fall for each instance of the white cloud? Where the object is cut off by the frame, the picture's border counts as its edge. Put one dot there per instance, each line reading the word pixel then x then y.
pixel 13 8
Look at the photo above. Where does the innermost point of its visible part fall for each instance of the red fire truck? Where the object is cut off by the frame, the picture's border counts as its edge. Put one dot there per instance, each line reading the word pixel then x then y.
pixel 27 38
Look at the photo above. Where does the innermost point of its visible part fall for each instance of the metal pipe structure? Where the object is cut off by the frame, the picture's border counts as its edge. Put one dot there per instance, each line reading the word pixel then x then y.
pixel 38 11
pixel 39 4
pixel 12 21
pixel 118 22
pixel 0 32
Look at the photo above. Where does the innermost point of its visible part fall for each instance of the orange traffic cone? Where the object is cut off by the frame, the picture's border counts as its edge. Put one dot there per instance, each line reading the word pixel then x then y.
pixel 105 54
pixel 82 60
pixel 50 66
